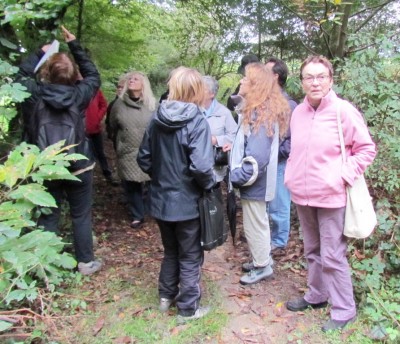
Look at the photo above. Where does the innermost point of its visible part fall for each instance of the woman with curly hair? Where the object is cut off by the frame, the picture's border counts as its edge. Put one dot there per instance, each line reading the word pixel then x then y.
pixel 129 118
pixel 263 116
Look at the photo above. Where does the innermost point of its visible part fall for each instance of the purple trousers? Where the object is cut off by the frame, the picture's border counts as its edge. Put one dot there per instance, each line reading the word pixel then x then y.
pixel 325 249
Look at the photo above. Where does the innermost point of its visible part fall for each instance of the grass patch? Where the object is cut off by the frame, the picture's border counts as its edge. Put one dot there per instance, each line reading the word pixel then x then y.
pixel 123 311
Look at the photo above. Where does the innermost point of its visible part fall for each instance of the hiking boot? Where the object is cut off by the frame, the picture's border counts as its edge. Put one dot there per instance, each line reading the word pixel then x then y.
pixel 200 312
pixel 333 325
pixel 300 304
pixel 89 268
pixel 256 275
pixel 165 304
pixel 247 267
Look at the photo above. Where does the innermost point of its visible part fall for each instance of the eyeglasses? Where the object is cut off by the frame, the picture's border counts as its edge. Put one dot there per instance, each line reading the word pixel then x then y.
pixel 309 79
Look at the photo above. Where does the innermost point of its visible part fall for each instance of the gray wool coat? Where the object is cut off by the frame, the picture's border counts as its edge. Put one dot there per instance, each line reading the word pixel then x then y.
pixel 128 122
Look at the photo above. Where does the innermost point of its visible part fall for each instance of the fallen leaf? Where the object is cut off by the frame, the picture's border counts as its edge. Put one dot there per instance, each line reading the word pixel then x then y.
pixel 99 325
pixel 123 340
pixel 178 329
pixel 346 334
pixel 279 309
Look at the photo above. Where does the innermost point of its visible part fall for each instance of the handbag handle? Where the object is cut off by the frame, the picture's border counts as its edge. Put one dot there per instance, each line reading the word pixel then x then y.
pixel 341 139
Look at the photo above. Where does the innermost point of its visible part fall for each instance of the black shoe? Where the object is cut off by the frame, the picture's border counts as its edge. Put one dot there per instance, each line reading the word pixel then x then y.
pixel 300 305
pixel 278 251
pixel 137 223
pixel 333 325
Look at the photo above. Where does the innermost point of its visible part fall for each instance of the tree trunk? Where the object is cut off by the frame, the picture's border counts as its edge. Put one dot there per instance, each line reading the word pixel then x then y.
pixel 81 4
pixel 342 37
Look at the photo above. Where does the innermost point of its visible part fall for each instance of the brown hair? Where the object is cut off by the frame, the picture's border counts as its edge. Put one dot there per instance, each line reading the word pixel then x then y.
pixel 317 59
pixel 266 99
pixel 186 85
pixel 60 69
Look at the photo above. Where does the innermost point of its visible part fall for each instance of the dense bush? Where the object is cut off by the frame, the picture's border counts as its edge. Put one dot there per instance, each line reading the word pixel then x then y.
pixel 30 258
pixel 370 80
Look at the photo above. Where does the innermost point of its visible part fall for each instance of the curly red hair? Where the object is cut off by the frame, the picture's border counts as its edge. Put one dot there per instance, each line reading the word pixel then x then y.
pixel 264 98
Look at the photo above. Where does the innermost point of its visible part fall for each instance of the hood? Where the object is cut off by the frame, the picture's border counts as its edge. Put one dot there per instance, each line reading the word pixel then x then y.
pixel 137 104
pixel 173 114
pixel 58 96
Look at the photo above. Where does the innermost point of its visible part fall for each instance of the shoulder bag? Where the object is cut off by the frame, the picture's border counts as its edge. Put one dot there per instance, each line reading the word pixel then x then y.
pixel 360 218
pixel 213 229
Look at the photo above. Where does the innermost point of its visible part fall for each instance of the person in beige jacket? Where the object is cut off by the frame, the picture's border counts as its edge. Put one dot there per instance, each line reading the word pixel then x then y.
pixel 129 118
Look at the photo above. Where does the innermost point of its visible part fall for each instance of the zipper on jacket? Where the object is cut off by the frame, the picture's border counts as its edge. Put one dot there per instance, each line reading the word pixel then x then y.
pixel 306 160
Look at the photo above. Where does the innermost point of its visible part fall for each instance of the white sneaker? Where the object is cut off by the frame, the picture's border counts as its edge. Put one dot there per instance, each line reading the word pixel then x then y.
pixel 247 267
pixel 89 268
pixel 200 312
pixel 256 275
pixel 165 304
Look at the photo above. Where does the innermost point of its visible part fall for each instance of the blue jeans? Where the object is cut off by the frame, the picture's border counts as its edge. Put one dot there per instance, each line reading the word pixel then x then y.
pixel 279 210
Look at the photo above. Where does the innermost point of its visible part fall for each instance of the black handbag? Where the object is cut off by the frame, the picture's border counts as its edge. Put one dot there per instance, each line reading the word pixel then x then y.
pixel 220 157
pixel 213 229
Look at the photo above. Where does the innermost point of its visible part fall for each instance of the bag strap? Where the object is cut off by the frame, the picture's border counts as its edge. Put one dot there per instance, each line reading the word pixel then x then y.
pixel 341 139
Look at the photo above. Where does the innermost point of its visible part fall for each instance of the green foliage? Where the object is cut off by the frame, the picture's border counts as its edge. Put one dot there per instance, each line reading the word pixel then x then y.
pixel 370 80
pixel 18 12
pixel 10 94
pixel 35 258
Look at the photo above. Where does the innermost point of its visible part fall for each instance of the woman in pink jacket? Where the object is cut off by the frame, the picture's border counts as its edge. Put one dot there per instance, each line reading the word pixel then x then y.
pixel 317 177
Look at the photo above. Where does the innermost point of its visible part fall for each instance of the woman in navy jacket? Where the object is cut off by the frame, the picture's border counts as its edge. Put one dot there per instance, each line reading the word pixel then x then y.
pixel 176 152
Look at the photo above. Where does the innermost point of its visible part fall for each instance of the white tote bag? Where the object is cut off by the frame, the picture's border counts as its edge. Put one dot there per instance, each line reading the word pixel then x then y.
pixel 360 217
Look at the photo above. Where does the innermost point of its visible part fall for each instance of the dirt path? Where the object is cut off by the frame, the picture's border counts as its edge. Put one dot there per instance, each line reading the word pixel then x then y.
pixel 256 313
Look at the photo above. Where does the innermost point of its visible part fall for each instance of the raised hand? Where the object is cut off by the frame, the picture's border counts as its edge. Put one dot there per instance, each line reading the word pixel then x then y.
pixel 68 36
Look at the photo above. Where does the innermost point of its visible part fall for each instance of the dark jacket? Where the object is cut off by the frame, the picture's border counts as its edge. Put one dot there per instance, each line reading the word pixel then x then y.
pixel 60 96
pixel 107 120
pixel 177 153
pixel 231 103
pixel 284 146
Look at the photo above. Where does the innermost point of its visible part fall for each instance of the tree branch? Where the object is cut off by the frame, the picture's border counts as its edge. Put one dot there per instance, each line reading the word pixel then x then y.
pixel 308 48
pixel 291 11
pixel 371 8
pixel 365 22
pixel 370 45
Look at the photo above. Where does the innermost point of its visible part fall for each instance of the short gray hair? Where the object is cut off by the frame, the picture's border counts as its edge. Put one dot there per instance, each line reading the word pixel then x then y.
pixel 211 84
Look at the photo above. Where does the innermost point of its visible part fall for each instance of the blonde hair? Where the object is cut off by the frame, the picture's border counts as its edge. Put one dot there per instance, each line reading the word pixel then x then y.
pixel 266 99
pixel 147 95
pixel 186 85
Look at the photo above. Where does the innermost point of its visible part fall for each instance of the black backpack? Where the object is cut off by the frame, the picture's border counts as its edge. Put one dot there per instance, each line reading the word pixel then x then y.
pixel 49 125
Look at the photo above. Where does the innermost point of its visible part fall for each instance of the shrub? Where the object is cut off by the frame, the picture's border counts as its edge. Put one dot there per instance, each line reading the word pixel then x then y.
pixel 30 258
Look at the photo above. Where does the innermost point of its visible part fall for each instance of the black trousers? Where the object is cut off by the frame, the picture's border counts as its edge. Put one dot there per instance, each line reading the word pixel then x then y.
pixel 79 197
pixel 134 195
pixel 181 267
pixel 98 149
